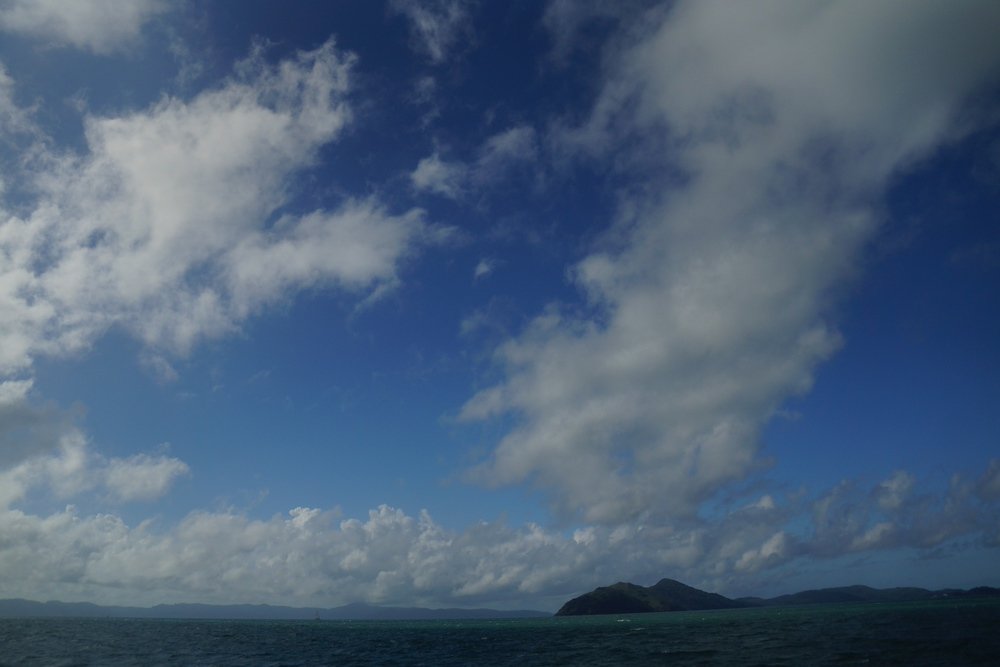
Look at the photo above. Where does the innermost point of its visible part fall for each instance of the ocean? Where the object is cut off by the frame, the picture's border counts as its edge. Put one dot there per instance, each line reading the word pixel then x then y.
pixel 960 632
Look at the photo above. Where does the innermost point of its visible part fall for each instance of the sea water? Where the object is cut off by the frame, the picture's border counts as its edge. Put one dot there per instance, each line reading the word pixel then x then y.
pixel 961 632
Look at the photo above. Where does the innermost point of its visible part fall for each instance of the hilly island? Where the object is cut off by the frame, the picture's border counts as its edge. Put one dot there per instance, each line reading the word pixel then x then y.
pixel 671 595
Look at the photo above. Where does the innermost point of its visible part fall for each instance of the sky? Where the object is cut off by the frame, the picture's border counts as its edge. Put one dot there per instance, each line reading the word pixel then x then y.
pixel 456 303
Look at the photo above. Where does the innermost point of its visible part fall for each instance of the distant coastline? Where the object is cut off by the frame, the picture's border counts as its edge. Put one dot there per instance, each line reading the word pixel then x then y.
pixel 620 598
pixel 18 608
pixel 672 595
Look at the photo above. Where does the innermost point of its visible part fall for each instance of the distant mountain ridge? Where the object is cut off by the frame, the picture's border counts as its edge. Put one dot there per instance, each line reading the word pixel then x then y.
pixel 619 598
pixel 671 595
pixel 16 608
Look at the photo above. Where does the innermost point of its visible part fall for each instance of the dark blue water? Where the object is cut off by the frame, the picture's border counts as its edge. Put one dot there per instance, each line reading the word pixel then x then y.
pixel 939 633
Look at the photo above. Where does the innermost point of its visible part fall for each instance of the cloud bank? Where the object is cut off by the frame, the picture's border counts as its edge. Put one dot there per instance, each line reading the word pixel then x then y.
pixel 316 557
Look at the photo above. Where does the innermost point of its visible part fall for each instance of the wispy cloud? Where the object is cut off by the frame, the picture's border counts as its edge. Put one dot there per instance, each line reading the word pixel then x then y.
pixel 437 27
pixel 498 157
pixel 484 268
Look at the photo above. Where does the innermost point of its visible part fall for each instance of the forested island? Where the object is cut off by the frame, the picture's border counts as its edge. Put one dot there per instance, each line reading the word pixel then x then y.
pixel 672 595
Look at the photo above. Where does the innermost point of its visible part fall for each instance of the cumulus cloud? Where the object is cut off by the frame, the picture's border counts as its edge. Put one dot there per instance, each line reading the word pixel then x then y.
pixel 774 548
pixel 499 157
pixel 27 428
pixel 316 557
pixel 67 467
pixel 439 176
pixel 143 477
pixel 437 27
pixel 765 138
pixel 166 225
pixel 313 557
pixel 100 26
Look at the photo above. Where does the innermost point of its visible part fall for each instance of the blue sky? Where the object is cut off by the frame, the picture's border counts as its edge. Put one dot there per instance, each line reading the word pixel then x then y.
pixel 460 304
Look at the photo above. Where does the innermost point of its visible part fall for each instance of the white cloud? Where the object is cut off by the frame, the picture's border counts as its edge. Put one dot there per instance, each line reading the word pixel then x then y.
pixel 484 267
pixel 777 128
pixel 893 492
pixel 101 26
pixel 165 225
pixel 316 558
pixel 13 392
pixel 26 428
pixel 846 520
pixel 62 464
pixel 158 366
pixel 356 246
pixel 504 149
pixel 14 120
pixel 143 477
pixel 439 176
pixel 63 472
pixel 500 155
pixel 774 548
pixel 437 27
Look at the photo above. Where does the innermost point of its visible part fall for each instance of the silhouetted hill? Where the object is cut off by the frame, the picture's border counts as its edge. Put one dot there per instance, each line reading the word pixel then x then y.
pixel 869 594
pixel 670 595
pixel 625 598
pixel 358 612
pixel 851 594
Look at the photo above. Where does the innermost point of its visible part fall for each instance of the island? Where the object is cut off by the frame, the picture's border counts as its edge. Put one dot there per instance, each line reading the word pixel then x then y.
pixel 672 595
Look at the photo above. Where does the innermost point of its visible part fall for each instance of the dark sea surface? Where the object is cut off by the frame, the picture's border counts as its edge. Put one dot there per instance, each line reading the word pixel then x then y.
pixel 965 632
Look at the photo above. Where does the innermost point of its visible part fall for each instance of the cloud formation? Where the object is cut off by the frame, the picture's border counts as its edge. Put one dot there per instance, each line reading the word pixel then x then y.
pixel 171 224
pixel 100 26
pixel 437 27
pixel 67 468
pixel 316 557
pixel 500 156
pixel 765 140
pixel 174 225
pixel 143 477
pixel 762 141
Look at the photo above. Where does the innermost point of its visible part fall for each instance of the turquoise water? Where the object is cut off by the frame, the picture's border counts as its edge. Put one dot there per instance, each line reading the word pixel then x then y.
pixel 938 633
